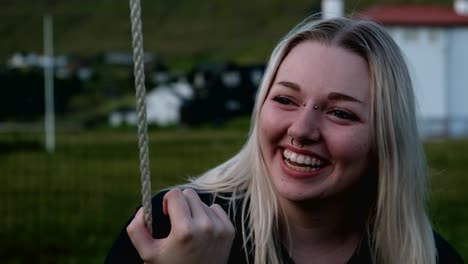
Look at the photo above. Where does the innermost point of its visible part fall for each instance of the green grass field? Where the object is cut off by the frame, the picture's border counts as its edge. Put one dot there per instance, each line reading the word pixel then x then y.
pixel 68 207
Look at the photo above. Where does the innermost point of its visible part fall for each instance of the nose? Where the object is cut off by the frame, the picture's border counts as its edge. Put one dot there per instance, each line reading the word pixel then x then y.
pixel 305 127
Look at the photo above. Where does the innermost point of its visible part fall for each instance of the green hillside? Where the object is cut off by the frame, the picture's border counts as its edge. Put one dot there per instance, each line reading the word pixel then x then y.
pixel 241 30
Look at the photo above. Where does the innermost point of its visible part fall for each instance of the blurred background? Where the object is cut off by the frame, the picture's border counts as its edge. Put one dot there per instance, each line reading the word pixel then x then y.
pixel 69 168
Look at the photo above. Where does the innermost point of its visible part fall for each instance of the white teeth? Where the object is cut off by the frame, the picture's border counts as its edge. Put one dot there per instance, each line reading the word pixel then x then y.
pixel 293 157
pixel 313 162
pixel 302 159
pixel 301 168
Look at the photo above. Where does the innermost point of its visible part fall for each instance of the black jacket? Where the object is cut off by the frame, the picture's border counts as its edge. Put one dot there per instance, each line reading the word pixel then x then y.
pixel 123 251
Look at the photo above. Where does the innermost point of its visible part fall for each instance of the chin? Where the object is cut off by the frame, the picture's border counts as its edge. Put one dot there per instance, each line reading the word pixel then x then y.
pixel 297 192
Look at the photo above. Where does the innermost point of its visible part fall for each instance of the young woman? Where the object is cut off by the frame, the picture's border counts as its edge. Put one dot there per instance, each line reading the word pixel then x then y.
pixel 333 170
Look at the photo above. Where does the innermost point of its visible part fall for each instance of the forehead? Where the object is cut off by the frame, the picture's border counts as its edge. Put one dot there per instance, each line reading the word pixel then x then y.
pixel 318 67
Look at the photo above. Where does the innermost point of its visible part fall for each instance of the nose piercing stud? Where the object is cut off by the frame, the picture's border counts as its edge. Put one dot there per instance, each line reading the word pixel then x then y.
pixel 315 106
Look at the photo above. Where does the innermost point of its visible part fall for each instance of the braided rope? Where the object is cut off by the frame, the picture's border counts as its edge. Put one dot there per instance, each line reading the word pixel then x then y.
pixel 139 71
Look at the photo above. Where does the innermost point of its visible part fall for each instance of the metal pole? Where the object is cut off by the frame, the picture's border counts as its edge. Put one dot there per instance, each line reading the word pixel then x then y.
pixel 49 119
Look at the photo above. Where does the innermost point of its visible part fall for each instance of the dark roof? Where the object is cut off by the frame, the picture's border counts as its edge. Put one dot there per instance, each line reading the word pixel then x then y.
pixel 414 15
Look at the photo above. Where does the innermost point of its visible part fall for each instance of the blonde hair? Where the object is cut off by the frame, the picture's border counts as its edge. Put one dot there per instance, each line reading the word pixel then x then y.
pixel 398 228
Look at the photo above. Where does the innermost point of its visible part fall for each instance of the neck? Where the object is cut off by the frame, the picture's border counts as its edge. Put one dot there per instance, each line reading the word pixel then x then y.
pixel 326 230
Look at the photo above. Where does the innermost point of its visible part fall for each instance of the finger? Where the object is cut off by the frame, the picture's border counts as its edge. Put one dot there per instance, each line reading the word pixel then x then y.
pixel 165 207
pixel 204 219
pixel 216 221
pixel 223 217
pixel 208 220
pixel 198 209
pixel 177 208
pixel 139 234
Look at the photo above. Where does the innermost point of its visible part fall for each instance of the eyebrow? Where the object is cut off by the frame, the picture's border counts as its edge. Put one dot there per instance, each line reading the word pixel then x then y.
pixel 333 96
pixel 291 85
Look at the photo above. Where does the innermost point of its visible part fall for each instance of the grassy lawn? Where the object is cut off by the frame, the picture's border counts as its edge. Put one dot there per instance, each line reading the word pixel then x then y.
pixel 68 207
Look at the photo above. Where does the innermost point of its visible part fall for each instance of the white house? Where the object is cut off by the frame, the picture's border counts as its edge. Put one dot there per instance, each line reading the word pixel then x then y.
pixel 435 41
pixel 163 103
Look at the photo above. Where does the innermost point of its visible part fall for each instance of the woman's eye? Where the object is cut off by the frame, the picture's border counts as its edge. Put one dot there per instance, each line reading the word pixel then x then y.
pixel 343 114
pixel 284 100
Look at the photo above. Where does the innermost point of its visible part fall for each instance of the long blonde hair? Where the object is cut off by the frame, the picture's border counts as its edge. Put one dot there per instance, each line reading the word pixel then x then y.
pixel 398 227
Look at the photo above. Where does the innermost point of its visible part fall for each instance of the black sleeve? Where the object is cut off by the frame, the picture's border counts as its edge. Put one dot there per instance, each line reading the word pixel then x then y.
pixel 446 254
pixel 123 251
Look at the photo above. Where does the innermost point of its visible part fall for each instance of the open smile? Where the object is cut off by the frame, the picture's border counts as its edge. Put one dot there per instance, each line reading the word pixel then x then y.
pixel 303 163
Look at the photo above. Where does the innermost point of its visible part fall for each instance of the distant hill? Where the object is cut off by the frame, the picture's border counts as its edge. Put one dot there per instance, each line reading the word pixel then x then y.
pixel 179 30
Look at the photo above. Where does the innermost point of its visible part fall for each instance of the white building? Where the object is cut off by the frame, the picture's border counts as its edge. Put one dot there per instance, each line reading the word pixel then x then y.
pixel 435 41
pixel 163 103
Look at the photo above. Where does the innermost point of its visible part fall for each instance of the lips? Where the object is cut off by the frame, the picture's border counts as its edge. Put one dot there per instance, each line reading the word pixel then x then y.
pixel 303 163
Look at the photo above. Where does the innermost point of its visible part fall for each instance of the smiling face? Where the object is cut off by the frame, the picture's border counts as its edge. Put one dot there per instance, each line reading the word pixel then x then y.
pixel 321 98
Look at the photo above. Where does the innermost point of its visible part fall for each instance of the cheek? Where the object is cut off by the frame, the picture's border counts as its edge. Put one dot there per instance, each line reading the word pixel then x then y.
pixel 272 124
pixel 351 146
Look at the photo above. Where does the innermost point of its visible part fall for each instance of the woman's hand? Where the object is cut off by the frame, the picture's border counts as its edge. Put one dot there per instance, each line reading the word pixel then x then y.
pixel 199 233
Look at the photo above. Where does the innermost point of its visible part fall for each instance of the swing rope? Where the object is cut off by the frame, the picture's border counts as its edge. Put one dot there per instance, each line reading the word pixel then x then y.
pixel 139 71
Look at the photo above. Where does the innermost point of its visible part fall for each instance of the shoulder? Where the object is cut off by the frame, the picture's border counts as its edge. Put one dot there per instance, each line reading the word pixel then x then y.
pixel 445 252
